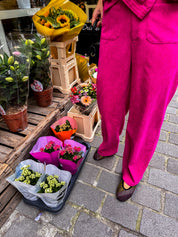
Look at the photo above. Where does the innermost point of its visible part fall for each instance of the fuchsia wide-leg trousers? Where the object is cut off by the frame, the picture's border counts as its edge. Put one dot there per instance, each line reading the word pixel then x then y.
pixel 138 72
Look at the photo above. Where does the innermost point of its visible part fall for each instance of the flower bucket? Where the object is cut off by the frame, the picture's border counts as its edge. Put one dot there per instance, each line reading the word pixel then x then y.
pixel 44 98
pixel 68 164
pixel 17 121
pixel 44 157
pixel 64 134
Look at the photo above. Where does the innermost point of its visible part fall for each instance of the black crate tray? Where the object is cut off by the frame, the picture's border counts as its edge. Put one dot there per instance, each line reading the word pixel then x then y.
pixel 42 206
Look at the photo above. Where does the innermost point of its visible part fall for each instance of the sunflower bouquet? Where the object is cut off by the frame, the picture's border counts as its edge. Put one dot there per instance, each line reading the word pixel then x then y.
pixel 59 18
pixel 84 97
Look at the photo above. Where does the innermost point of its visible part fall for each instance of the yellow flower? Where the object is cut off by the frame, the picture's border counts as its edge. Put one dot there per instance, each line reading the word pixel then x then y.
pixel 9 79
pixel 10 60
pixel 12 68
pixel 25 78
pixel 86 100
pixel 38 57
pixel 48 53
pixel 43 40
pixel 63 20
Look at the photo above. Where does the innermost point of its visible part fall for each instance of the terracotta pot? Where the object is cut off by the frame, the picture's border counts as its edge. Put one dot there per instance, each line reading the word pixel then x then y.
pixel 17 121
pixel 44 98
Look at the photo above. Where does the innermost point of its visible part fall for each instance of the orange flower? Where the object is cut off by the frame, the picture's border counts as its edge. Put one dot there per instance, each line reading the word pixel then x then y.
pixel 63 20
pixel 43 21
pixel 86 100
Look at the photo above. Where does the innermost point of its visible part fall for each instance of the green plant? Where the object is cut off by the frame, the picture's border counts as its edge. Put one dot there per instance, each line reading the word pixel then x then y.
pixel 37 53
pixel 13 82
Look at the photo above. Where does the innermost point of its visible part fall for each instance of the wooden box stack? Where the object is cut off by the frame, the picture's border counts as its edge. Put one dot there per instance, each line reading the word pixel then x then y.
pixel 64 71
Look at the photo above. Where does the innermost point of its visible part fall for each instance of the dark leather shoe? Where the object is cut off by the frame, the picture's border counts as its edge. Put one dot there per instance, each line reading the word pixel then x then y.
pixel 123 194
pixel 98 157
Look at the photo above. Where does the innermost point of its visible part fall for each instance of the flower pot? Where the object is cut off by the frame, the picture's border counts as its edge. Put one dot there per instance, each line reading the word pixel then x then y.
pixel 70 165
pixel 16 121
pixel 44 98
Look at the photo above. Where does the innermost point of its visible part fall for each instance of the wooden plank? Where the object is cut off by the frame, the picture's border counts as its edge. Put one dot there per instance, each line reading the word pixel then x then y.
pixel 24 132
pixel 10 208
pixel 35 118
pixel 5 149
pixel 5 171
pixel 6 196
pixel 42 110
pixel 10 139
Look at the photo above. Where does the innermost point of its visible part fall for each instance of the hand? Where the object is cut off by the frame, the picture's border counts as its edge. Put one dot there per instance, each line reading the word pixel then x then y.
pixel 98 13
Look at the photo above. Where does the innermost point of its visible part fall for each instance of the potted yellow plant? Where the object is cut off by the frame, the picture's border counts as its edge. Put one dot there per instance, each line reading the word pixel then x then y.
pixel 13 92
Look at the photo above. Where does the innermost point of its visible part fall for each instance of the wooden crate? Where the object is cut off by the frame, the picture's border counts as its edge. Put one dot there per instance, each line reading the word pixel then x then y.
pixel 86 124
pixel 63 52
pixel 64 76
pixel 15 147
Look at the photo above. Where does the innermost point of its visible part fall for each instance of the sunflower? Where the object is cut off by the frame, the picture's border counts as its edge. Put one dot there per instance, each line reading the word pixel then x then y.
pixel 86 100
pixel 42 21
pixel 63 20
pixel 49 25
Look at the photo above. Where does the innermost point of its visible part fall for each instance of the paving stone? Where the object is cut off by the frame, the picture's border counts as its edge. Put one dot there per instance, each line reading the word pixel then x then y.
pixel 63 219
pixel 163 136
pixel 88 173
pixel 173 138
pixel 167 149
pixel 147 196
pixel 163 180
pixel 119 167
pixel 86 196
pixel 171 110
pixel 23 226
pixel 173 118
pixel 108 181
pixel 170 127
pixel 156 225
pixel 96 141
pixel 62 235
pixel 173 104
pixel 107 163
pixel 89 226
pixel 123 233
pixel 121 150
pixel 122 213
pixel 157 161
pixel 28 210
pixel 171 205
pixel 172 166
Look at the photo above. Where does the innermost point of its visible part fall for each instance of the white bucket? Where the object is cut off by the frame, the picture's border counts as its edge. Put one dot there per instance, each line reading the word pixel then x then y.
pixel 23 4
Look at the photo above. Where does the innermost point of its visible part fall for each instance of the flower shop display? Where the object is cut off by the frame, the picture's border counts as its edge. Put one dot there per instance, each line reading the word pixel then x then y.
pixel 38 53
pixel 64 128
pixel 27 177
pixel 86 124
pixel 54 177
pixel 84 97
pixel 93 72
pixel 60 18
pixel 46 150
pixel 71 155
pixel 14 91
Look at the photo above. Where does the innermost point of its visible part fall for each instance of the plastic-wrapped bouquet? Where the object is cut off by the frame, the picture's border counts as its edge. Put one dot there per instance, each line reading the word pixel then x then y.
pixel 71 155
pixel 28 176
pixel 51 184
pixel 50 147
pixel 84 97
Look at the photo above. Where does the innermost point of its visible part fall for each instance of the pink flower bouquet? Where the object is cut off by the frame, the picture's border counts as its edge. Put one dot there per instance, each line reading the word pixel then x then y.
pixel 71 155
pixel 46 150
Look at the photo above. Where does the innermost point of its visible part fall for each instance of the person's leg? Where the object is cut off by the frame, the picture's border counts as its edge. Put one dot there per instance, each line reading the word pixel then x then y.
pixel 154 81
pixel 113 83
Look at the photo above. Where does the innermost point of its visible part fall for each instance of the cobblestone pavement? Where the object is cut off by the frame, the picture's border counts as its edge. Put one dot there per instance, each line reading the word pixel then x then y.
pixel 92 209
